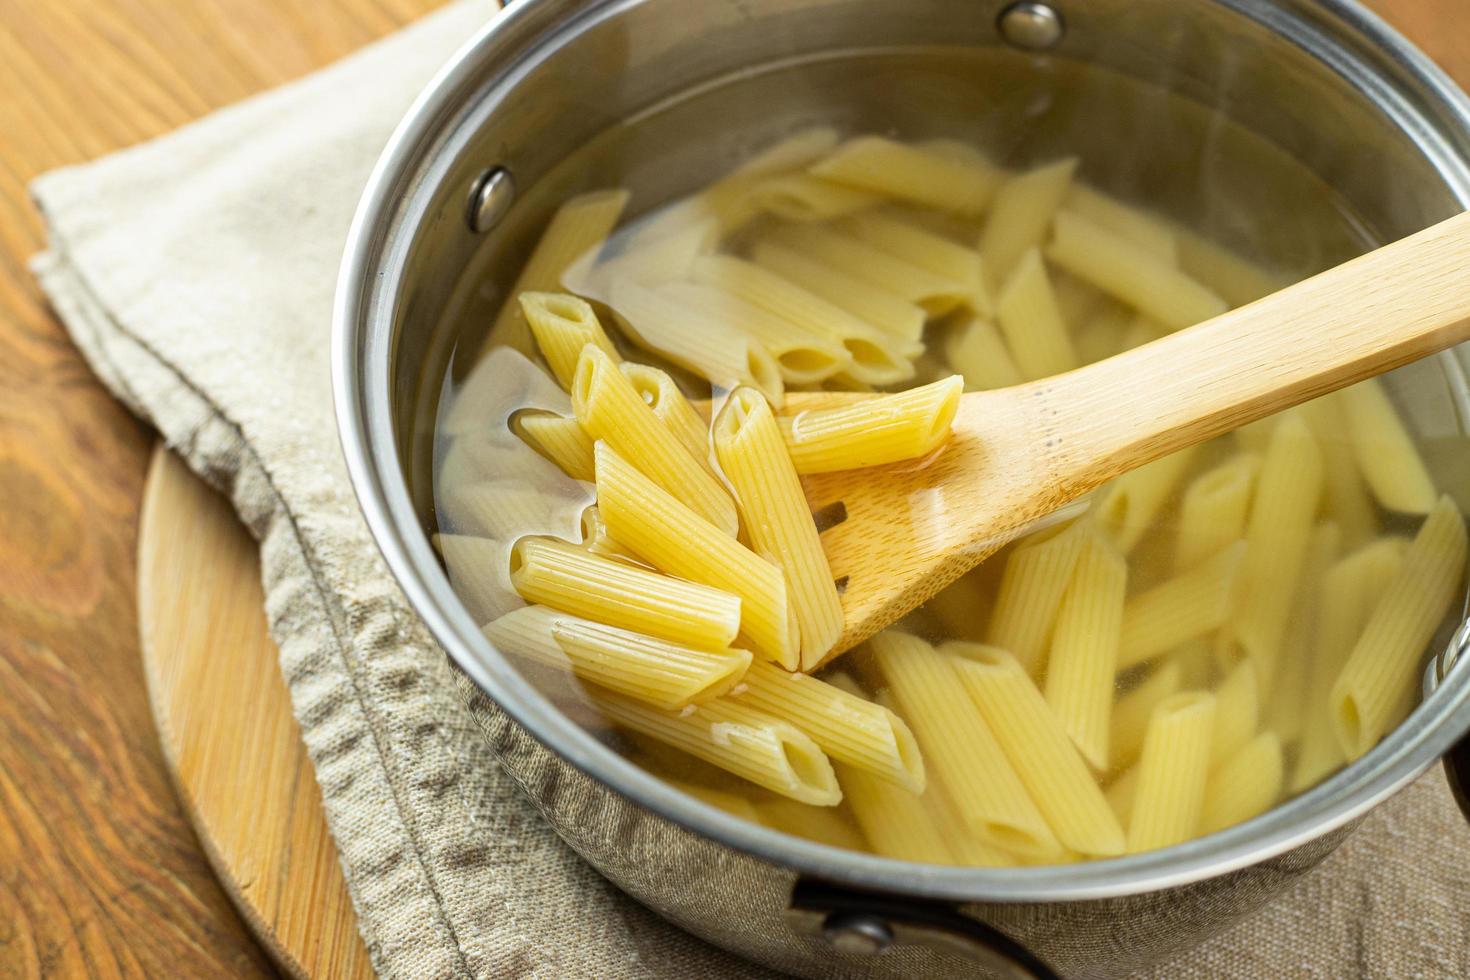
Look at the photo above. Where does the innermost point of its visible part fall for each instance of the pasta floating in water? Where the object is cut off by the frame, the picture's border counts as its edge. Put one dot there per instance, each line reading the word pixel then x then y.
pixel 619 502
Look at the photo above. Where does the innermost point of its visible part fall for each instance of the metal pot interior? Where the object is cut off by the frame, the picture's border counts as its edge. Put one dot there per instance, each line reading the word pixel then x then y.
pixel 1181 105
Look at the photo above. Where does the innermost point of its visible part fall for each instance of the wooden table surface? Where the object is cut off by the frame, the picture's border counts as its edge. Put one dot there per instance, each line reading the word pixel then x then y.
pixel 99 871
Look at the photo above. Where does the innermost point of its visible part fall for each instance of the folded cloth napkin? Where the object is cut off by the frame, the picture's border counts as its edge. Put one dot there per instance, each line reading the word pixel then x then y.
pixel 196 274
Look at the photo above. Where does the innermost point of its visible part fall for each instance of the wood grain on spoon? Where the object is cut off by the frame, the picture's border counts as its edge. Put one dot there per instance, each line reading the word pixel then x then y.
pixel 1020 453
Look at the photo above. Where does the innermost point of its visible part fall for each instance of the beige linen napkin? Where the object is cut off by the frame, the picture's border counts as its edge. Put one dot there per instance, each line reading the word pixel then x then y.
pixel 196 274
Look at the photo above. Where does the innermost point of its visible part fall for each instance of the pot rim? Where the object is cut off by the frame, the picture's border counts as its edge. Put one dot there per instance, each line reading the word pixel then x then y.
pixel 360 360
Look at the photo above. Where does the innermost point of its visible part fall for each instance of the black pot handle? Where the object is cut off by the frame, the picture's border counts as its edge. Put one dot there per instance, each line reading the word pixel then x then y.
pixel 1457 759
pixel 870 923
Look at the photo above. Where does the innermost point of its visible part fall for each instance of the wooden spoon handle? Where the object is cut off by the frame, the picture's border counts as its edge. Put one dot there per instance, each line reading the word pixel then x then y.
pixel 1382 310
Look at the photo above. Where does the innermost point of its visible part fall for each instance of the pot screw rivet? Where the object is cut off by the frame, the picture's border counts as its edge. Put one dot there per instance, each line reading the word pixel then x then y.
pixel 490 199
pixel 1031 25
pixel 856 932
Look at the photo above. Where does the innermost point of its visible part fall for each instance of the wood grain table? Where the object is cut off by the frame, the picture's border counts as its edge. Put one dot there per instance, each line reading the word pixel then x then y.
pixel 100 874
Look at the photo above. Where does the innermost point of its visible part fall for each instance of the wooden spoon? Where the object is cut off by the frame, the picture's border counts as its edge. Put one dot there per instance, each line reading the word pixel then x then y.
pixel 1020 453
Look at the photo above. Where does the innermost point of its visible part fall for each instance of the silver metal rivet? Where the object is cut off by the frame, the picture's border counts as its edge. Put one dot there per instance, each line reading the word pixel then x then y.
pixel 856 932
pixel 490 199
pixel 1031 25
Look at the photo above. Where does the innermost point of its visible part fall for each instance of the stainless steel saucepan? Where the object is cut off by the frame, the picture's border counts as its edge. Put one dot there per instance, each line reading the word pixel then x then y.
pixel 1182 103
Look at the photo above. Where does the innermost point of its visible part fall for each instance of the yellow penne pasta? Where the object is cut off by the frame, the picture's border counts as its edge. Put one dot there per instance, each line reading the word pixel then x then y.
pixel 1039 749
pixel 873 431
pixel 1346 494
pixel 1380 673
pixel 660 393
pixel 1181 609
pixel 925 249
pixel 900 320
pixel 1171 772
pixel 849 728
pixel 910 282
pixel 1130 503
pixel 597 540
pixel 775 515
pixel 1021 214
pixel 569 579
pixel 824 824
pixel 764 750
pixel 1350 590
pixel 873 358
pixel 950 183
pixel 572 238
pixel 1120 794
pixel 667 675
pixel 803 355
pixel 562 326
pixel 1133 710
pixel 1035 579
pixel 1237 279
pixel 1145 230
pixel 1027 313
pixel 1081 670
pixel 715 352
pixel 657 527
pixel 1243 785
pixel 1386 454
pixel 1131 273
pixel 1213 511
pixel 610 409
pixel 1288 492
pixel 1287 713
pixel 804 198
pixel 732 803
pixel 1103 335
pixel 560 439
pixel 976 350
pixel 1238 711
pixel 959 747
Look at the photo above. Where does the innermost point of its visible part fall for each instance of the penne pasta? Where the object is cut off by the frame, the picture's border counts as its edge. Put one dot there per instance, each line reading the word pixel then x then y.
pixel 574 236
pixel 1385 452
pixel 1238 711
pixel 948 182
pixel 942 256
pixel 1238 280
pixel 1104 334
pixel 1172 769
pixel 660 393
pixel 1288 493
pixel 849 728
pixel 571 580
pixel 803 355
pixel 1081 670
pixel 1133 710
pixel 1290 694
pixel 1036 576
pixel 775 515
pixel 1181 609
pixel 1039 748
pixel 764 750
pixel 873 431
pixel 804 198
pixel 1349 592
pixel 1131 503
pixel 1243 785
pixel 900 320
pixel 1213 511
pixel 1021 215
pixel 1346 500
pixel 975 349
pixel 562 326
pixel 1027 313
pixel 731 803
pixel 597 540
pixel 823 824
pixel 663 531
pixel 959 747
pixel 558 438
pixel 611 410
pixel 910 282
pixel 666 675
pixel 1131 273
pixel 716 353
pixel 873 358
pixel 1380 673
pixel 1120 794
pixel 1145 230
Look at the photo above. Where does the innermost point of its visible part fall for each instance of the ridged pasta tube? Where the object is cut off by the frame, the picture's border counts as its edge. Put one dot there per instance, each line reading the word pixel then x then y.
pixel 873 431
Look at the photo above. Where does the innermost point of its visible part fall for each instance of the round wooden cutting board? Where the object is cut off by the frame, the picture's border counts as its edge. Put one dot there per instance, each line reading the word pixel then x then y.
pixel 225 721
